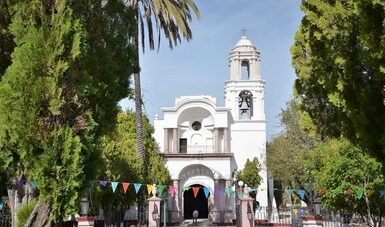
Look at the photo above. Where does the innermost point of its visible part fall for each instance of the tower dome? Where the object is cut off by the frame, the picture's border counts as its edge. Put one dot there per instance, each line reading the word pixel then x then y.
pixel 243 42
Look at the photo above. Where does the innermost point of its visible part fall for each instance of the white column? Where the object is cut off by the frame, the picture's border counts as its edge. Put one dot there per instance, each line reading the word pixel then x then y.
pixel 175 140
pixel 216 140
pixel 226 140
pixel 166 148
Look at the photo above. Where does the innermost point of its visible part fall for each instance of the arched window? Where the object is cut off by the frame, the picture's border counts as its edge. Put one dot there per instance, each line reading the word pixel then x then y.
pixel 245 70
pixel 245 105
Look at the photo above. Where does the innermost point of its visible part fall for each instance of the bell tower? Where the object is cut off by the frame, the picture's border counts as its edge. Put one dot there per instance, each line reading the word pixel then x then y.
pixel 244 92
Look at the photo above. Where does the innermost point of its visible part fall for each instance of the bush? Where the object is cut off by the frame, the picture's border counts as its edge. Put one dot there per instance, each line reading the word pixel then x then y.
pixel 24 212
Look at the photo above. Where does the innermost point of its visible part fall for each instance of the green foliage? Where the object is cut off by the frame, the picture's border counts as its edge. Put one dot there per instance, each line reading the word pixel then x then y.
pixel 121 163
pixel 286 152
pixel 59 94
pixel 58 172
pixel 350 180
pixel 339 60
pixel 250 174
pixel 24 212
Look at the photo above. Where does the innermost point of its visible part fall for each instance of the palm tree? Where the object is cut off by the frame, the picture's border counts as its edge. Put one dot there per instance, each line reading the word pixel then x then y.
pixel 170 16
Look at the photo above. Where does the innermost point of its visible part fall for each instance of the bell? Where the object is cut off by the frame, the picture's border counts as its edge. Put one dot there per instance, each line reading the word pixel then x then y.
pixel 244 105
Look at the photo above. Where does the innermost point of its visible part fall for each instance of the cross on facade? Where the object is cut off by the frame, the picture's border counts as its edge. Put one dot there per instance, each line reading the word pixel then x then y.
pixel 243 30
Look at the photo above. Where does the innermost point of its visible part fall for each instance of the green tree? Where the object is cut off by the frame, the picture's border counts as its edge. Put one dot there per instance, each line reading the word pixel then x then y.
pixel 339 61
pixel 121 163
pixel 69 69
pixel 288 152
pixel 351 180
pixel 250 174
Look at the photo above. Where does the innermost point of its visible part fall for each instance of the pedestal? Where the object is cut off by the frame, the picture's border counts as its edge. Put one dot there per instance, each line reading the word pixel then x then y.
pixel 85 221
pixel 154 212
pixel 247 206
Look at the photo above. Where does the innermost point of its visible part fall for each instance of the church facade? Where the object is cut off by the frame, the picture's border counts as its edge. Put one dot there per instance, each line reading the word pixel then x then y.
pixel 203 144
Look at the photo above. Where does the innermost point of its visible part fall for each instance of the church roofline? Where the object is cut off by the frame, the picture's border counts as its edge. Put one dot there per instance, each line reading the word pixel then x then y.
pixel 184 100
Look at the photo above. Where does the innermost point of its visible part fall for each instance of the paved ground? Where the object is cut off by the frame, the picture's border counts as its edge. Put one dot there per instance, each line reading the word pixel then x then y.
pixel 201 222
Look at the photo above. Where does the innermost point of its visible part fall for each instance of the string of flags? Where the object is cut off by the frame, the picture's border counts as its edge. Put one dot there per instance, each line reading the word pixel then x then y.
pixel 358 193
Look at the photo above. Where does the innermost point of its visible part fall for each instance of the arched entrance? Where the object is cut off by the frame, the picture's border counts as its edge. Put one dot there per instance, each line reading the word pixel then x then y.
pixel 191 203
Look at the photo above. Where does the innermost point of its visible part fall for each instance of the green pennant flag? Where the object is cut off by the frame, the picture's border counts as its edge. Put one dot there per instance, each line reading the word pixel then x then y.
pixel 161 189
pixel 359 193
pixel 186 188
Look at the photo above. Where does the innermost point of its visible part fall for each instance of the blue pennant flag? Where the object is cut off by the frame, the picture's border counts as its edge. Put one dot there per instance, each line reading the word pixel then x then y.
pixel 382 192
pixel 289 191
pixel 137 187
pixel 33 184
pixel 114 184
pixel 206 191
pixel 302 193
pixel 1 205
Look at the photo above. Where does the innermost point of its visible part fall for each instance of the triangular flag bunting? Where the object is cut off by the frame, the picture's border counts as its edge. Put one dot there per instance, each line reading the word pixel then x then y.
pixel 114 184
pixel 289 191
pixel 103 182
pixel 195 191
pixel 369 192
pixel 218 193
pixel 229 190
pixel 125 186
pixel 90 185
pixel 359 193
pixel 161 189
pixel 149 188
pixel 382 192
pixel 186 188
pixel 206 191
pixel 33 184
pixel 301 193
pixel 137 187
pixel 171 190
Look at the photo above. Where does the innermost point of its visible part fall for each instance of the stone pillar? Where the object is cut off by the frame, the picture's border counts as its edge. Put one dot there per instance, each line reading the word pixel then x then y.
pixel 247 206
pixel 174 204
pixel 175 140
pixel 166 147
pixel 85 221
pixel 216 140
pixel 229 208
pixel 219 197
pixel 154 208
pixel 226 141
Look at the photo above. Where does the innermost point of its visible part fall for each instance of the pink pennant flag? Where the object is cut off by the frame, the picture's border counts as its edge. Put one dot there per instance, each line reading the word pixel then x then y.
pixel 195 190
pixel 171 190
pixel 125 186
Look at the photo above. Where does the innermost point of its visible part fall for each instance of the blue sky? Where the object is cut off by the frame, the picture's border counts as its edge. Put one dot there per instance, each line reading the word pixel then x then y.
pixel 200 66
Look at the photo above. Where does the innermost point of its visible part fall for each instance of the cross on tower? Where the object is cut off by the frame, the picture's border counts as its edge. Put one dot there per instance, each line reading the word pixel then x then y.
pixel 243 30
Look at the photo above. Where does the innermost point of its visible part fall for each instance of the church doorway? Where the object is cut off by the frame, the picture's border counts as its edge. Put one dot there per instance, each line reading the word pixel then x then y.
pixel 199 203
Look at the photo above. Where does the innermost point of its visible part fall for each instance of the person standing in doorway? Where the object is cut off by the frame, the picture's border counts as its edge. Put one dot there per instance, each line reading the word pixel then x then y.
pixel 195 216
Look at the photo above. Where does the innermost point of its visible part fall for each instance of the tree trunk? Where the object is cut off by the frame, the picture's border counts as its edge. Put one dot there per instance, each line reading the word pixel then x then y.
pixel 39 216
pixel 138 116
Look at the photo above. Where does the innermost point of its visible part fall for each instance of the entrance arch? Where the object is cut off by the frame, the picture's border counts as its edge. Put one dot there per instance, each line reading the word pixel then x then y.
pixel 200 176
pixel 199 203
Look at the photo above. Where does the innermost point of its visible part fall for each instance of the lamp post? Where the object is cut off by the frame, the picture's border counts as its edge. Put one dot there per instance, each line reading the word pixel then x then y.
pixel 238 193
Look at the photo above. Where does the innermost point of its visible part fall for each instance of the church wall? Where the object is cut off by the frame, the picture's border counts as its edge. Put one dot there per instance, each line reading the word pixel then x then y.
pixel 222 166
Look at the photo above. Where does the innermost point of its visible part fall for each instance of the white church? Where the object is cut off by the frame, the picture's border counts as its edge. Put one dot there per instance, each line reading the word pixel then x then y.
pixel 204 144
